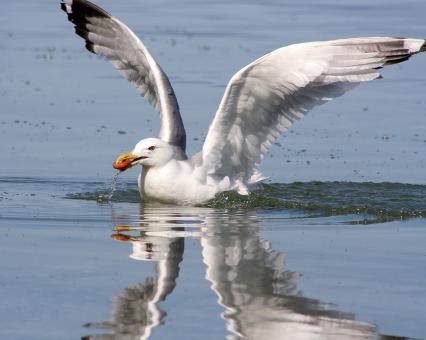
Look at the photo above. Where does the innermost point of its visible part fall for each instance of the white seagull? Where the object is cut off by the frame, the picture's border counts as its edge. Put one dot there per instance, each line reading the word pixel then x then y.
pixel 261 101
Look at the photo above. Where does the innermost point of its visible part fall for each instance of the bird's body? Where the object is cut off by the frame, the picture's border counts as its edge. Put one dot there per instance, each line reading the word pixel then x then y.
pixel 182 182
pixel 173 178
pixel 175 182
pixel 261 101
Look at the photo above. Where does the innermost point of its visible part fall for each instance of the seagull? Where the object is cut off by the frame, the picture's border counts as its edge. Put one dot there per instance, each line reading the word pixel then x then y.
pixel 261 101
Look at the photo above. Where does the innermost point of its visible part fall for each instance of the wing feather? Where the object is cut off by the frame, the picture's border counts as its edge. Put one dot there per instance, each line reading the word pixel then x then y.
pixel 265 98
pixel 108 37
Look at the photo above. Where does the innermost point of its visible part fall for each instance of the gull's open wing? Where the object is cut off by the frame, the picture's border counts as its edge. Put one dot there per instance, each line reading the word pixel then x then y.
pixel 263 99
pixel 110 38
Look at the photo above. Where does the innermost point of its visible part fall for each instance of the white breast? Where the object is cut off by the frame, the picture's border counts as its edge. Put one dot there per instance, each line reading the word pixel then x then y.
pixel 175 182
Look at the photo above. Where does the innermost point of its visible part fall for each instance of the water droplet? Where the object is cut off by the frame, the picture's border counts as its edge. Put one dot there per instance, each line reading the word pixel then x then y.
pixel 113 185
pixel 107 198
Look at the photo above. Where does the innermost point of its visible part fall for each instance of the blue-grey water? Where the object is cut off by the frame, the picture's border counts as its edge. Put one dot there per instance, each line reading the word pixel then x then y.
pixel 331 247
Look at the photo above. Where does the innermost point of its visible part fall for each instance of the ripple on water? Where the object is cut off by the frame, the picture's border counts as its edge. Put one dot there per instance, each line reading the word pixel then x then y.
pixel 382 201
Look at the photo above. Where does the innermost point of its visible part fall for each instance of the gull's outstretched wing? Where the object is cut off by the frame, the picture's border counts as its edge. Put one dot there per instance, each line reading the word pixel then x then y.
pixel 110 38
pixel 263 99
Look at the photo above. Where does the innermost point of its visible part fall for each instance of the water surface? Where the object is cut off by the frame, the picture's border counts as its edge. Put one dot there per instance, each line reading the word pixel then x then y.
pixel 80 265
pixel 331 247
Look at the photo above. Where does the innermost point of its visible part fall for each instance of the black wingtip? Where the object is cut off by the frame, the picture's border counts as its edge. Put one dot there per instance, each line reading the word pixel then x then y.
pixel 423 48
pixel 90 46
pixel 81 32
pixel 87 8
pixel 399 60
pixel 79 9
pixel 79 13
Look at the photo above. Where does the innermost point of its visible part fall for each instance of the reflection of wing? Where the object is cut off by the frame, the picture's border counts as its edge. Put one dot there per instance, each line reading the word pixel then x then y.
pixel 136 311
pixel 110 38
pixel 260 296
pixel 264 98
pixel 131 318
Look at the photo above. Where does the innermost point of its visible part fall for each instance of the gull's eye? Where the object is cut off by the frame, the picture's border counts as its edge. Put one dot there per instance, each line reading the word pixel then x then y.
pixel 151 148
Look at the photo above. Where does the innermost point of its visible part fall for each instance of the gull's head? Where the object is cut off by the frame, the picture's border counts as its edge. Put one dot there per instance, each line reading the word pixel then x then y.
pixel 148 152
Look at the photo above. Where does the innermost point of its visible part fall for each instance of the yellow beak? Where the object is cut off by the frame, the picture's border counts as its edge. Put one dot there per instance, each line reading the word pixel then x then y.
pixel 124 161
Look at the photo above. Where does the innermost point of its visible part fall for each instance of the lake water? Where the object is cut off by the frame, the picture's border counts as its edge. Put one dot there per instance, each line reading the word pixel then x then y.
pixel 332 247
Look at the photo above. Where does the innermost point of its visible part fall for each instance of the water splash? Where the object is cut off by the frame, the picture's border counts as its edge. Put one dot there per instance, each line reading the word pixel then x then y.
pixel 106 198
pixel 385 201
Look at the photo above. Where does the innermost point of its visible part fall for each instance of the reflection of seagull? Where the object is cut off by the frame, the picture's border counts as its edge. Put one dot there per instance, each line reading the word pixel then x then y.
pixel 259 294
pixel 136 312
pixel 261 101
